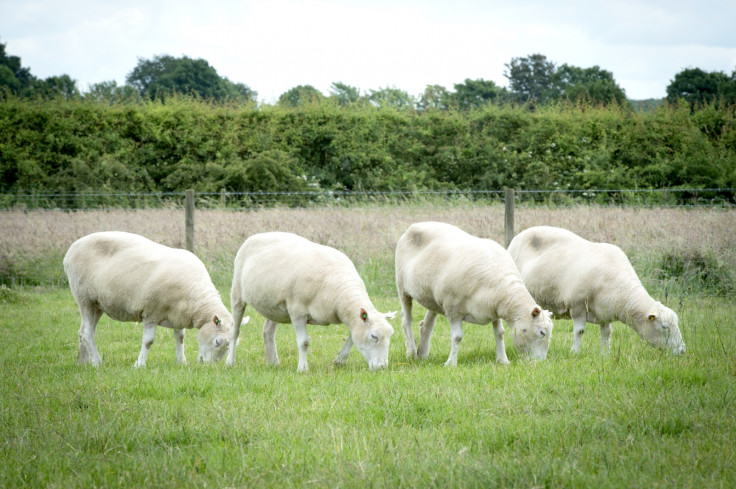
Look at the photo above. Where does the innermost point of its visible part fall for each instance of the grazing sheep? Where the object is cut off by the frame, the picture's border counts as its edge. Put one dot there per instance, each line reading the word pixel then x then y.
pixel 289 279
pixel 591 282
pixel 131 278
pixel 470 279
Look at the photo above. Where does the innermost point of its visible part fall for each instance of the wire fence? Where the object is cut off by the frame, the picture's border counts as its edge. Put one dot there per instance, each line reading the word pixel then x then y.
pixel 668 197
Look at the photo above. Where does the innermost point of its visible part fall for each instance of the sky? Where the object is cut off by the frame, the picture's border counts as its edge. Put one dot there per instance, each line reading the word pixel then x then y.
pixel 275 45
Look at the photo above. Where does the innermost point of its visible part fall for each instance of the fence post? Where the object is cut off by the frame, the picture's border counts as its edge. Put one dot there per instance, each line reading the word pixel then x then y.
pixel 223 199
pixel 189 220
pixel 508 222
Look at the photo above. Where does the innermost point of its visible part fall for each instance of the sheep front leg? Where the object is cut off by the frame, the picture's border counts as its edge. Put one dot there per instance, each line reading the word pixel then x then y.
pixel 179 342
pixel 302 343
pixel 269 342
pixel 238 311
pixel 425 333
pixel 149 332
pixel 342 355
pixel 456 336
pixel 606 337
pixel 409 341
pixel 498 332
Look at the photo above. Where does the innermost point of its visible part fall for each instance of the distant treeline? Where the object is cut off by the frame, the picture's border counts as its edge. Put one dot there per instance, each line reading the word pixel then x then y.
pixel 74 146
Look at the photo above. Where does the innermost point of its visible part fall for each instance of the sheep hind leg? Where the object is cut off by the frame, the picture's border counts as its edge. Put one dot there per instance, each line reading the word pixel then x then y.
pixel 269 343
pixel 425 334
pixel 409 341
pixel 456 336
pixel 498 332
pixel 149 333
pixel 606 330
pixel 87 347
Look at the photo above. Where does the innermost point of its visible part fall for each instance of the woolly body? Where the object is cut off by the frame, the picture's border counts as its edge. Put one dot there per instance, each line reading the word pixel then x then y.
pixel 289 279
pixel 131 278
pixel 591 282
pixel 470 279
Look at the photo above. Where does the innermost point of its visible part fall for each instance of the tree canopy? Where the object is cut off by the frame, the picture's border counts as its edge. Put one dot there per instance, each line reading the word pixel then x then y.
pixel 166 75
pixel 699 87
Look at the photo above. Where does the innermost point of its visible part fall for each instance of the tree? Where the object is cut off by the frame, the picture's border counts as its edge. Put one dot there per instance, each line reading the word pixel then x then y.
pixel 12 74
pixel 165 75
pixel 476 93
pixel 435 97
pixel 391 97
pixel 56 86
pixel 699 87
pixel 112 93
pixel 300 95
pixel 530 78
pixel 344 94
pixel 593 84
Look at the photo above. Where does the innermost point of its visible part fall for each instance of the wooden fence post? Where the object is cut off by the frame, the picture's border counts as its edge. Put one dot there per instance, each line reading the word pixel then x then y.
pixel 508 221
pixel 189 220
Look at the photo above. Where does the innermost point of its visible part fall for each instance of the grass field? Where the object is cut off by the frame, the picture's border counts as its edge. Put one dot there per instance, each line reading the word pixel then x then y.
pixel 633 418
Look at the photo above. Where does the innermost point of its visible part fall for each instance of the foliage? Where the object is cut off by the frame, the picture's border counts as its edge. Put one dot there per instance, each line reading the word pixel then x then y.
pixel 81 145
pixel 536 80
pixel 699 88
pixel 473 94
pixel 344 93
pixel 300 95
pixel 530 78
pixel 164 76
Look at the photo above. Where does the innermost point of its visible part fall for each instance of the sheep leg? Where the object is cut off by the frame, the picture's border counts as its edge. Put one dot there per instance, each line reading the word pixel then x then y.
pixel 149 332
pixel 238 310
pixel 606 330
pixel 409 341
pixel 302 342
pixel 425 333
pixel 179 342
pixel 456 336
pixel 498 331
pixel 342 355
pixel 578 330
pixel 87 348
pixel 269 342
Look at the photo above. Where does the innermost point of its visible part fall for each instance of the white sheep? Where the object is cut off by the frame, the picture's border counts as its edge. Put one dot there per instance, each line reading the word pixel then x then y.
pixel 470 279
pixel 131 278
pixel 591 282
pixel 289 279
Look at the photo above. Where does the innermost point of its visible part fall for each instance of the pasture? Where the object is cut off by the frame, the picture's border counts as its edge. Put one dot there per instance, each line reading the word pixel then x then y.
pixel 633 418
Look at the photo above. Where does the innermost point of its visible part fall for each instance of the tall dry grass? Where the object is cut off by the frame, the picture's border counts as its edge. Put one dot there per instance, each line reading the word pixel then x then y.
pixel 368 234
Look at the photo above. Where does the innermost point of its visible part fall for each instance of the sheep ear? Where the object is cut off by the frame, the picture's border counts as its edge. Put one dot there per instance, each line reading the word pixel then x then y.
pixel 536 312
pixel 363 314
pixel 652 316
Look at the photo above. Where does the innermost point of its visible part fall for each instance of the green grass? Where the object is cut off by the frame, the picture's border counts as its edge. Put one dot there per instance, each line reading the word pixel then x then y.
pixel 633 418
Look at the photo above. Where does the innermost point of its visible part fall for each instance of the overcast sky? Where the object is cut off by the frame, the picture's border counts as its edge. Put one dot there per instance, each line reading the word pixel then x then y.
pixel 275 45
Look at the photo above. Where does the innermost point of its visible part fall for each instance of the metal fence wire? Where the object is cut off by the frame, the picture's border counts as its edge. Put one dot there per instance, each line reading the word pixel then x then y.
pixel 668 197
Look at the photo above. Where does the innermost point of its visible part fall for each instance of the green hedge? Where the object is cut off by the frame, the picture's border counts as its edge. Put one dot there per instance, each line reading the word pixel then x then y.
pixel 75 146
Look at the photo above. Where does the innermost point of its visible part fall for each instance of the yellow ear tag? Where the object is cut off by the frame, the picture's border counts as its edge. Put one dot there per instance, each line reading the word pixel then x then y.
pixel 652 316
